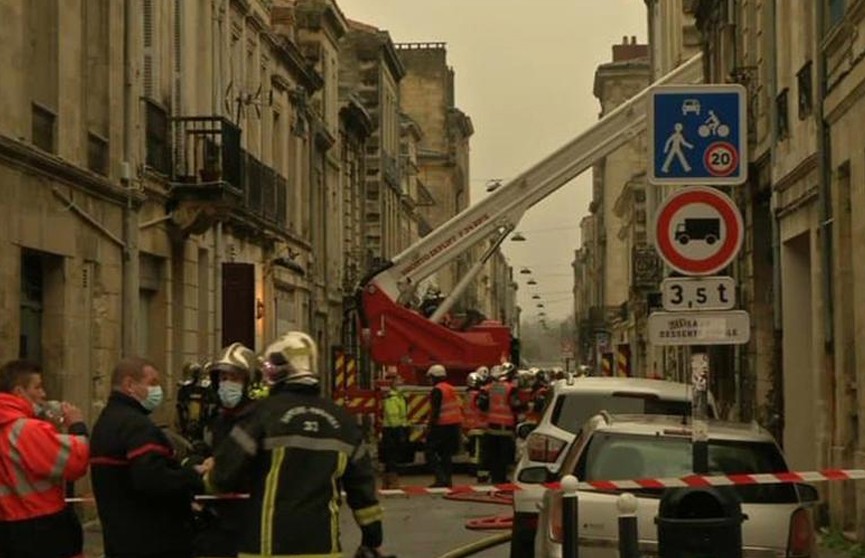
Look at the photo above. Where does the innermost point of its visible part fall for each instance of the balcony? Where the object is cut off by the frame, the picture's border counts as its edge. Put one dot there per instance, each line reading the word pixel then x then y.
pixel 265 192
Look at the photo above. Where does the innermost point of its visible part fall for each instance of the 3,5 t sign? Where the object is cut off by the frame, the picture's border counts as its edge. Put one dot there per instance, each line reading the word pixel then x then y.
pixel 704 293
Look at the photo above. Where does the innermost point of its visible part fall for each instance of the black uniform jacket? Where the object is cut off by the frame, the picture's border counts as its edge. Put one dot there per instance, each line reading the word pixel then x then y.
pixel 143 494
pixel 298 451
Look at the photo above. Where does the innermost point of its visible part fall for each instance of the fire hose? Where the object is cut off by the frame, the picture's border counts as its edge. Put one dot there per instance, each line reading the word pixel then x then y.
pixel 477 546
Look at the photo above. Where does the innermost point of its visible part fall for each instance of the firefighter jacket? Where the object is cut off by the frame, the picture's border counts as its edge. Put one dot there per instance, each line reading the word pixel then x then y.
pixel 445 406
pixel 220 521
pixel 35 461
pixel 473 417
pixel 501 402
pixel 394 410
pixel 298 451
pixel 143 494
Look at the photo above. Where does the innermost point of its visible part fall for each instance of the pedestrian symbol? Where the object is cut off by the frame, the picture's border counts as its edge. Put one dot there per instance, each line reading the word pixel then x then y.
pixel 698 135
pixel 673 148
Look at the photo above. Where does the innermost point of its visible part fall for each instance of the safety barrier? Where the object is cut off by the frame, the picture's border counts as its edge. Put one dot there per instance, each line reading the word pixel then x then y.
pixel 689 481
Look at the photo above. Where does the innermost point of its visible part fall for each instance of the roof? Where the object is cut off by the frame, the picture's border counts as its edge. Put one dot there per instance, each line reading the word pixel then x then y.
pixel 663 388
pixel 657 425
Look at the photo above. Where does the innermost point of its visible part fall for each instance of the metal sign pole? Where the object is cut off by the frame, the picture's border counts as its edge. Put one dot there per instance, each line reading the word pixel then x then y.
pixel 699 408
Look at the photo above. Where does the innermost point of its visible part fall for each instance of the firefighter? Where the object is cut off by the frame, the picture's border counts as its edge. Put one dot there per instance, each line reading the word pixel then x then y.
pixel 475 422
pixel 500 401
pixel 394 431
pixel 297 451
pixel 231 375
pixel 445 426
pixel 538 402
pixel 195 404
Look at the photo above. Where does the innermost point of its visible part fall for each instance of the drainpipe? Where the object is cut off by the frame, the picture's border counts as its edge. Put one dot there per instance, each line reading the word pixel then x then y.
pixel 130 306
pixel 219 20
pixel 775 418
pixel 825 192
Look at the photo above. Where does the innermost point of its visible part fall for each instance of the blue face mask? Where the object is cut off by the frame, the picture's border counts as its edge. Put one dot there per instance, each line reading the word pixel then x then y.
pixel 153 399
pixel 230 393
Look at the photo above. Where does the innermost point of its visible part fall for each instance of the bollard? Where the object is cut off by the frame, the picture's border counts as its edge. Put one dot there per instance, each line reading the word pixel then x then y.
pixel 629 545
pixel 570 517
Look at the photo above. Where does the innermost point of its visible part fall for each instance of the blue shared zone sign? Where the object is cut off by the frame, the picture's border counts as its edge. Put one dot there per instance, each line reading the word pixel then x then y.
pixel 698 135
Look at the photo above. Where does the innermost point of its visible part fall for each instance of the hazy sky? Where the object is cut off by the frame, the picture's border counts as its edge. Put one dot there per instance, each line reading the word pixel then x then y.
pixel 524 74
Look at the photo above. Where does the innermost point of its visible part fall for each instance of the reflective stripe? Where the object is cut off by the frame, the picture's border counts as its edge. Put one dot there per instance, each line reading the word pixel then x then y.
pixel 335 501
pixel 22 487
pixel 66 441
pixel 244 440
pixel 371 514
pixel 148 448
pixel 360 452
pixel 308 443
pixel 500 405
pixel 271 486
pixel 108 461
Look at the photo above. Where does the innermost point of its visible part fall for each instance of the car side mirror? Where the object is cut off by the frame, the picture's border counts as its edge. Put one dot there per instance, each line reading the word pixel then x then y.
pixel 807 493
pixel 535 475
pixel 524 429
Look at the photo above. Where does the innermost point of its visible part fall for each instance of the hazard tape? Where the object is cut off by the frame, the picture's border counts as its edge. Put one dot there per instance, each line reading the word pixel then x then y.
pixel 199 498
pixel 690 481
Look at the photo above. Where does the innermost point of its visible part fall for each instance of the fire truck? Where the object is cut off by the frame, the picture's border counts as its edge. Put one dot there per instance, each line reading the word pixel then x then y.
pixel 401 338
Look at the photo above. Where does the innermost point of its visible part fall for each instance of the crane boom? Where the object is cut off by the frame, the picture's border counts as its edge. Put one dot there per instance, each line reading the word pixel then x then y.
pixel 397 335
pixel 506 205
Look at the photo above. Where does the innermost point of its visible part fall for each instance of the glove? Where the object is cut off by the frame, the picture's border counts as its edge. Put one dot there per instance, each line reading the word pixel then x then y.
pixel 366 552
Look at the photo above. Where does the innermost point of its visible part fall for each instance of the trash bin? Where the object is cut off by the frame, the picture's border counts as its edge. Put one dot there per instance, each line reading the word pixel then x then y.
pixel 700 523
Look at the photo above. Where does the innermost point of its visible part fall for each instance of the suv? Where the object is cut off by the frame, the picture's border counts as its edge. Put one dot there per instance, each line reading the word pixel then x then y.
pixel 573 401
pixel 779 522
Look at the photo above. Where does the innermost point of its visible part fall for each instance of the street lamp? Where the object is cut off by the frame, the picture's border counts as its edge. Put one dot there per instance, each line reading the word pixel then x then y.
pixel 518 237
pixel 493 184
pixel 540 305
pixel 526 271
pixel 532 282
pixel 536 297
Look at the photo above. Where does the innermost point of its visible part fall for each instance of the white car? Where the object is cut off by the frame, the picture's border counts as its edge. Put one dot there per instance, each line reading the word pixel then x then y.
pixel 571 403
pixel 779 522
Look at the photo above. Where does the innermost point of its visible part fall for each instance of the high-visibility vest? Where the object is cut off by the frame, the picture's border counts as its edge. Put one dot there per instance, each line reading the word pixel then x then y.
pixel 535 410
pixel 451 411
pixel 500 413
pixel 473 417
pixel 394 413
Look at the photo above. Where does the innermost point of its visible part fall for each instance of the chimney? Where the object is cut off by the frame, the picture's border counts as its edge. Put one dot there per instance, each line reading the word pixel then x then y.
pixel 629 49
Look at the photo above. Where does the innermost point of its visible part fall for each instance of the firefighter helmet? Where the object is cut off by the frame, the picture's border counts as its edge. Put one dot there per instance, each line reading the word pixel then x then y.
pixel 497 372
pixel 292 358
pixel 235 357
pixel 474 380
pixel 436 371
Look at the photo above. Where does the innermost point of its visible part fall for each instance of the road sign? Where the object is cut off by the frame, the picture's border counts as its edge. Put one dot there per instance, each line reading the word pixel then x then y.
pixel 703 293
pixel 698 230
pixel 698 135
pixel 699 328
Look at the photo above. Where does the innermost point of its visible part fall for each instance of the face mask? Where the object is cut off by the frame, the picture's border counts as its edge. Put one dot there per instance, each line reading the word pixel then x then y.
pixel 230 393
pixel 38 409
pixel 153 399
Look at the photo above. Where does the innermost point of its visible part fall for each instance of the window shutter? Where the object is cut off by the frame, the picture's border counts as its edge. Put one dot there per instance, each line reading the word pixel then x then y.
pixel 150 60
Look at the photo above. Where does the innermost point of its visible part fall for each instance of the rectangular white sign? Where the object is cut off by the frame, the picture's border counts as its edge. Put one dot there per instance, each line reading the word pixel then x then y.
pixel 700 328
pixel 700 293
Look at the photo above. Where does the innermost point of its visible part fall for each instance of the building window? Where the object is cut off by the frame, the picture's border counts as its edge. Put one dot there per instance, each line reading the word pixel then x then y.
pixel 783 129
pixel 158 152
pixel 805 91
pixel 43 130
pixel 97 154
pixel 837 8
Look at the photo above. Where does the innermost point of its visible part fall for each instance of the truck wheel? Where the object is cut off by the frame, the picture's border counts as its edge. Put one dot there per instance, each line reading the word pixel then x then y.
pixel 711 239
pixel 683 239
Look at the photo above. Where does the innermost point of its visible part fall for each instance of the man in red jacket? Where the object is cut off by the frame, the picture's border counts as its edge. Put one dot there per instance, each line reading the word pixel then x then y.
pixel 35 463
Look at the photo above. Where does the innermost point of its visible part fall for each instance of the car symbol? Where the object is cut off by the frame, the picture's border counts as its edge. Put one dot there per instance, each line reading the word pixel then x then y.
pixel 690 105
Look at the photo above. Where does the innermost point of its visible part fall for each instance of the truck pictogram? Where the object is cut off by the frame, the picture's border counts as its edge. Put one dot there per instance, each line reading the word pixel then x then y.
pixel 706 229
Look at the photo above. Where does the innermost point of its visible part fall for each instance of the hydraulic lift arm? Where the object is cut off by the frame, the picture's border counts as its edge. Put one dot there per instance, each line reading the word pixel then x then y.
pixel 398 335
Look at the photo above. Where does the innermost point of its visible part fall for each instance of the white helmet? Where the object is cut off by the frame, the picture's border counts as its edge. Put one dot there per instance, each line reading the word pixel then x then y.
pixel 497 372
pixel 474 380
pixel 436 371
pixel 236 356
pixel 293 358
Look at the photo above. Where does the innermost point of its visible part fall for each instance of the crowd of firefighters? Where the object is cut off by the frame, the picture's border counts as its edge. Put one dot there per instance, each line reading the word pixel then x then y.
pixel 259 451
pixel 484 417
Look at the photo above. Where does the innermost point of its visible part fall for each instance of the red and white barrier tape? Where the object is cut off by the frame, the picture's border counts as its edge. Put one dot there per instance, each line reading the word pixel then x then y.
pixel 199 498
pixel 690 481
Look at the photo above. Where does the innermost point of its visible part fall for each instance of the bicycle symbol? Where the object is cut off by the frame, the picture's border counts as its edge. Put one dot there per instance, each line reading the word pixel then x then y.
pixel 713 126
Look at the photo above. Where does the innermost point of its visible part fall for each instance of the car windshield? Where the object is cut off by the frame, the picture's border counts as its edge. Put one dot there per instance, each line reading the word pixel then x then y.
pixel 574 409
pixel 615 456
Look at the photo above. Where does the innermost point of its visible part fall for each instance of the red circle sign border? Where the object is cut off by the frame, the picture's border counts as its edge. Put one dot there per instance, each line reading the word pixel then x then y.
pixel 732 221
pixel 734 153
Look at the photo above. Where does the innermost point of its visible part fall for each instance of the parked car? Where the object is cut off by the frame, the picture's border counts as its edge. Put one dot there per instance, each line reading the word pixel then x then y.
pixel 779 520
pixel 574 401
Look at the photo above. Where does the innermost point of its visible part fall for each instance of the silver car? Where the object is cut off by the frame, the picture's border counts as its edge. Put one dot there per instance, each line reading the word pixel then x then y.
pixel 571 403
pixel 779 520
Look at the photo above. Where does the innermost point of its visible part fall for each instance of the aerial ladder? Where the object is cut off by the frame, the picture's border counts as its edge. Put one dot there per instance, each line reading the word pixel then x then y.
pixel 398 335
